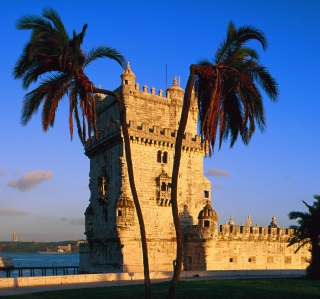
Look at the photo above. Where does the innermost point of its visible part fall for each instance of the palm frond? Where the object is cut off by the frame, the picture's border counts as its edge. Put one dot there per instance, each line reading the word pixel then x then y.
pixel 54 17
pixel 246 33
pixel 105 52
pixel 58 62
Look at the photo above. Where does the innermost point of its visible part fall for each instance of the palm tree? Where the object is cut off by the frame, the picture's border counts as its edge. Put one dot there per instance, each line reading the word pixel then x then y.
pixel 229 101
pixel 307 232
pixel 59 62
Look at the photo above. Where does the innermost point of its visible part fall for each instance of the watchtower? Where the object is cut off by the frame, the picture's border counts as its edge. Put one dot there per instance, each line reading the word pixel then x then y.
pixel 112 230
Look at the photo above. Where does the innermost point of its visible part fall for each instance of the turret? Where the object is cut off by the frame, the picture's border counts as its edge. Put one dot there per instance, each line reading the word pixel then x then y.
pixel 273 223
pixel 208 222
pixel 128 79
pixel 175 92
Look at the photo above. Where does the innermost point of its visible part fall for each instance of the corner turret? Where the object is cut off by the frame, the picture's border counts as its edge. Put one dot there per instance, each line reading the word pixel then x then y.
pixel 175 92
pixel 273 223
pixel 128 78
pixel 208 222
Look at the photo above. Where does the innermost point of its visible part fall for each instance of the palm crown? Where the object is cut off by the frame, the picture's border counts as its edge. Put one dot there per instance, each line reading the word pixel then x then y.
pixel 228 97
pixel 308 232
pixel 308 227
pixel 52 53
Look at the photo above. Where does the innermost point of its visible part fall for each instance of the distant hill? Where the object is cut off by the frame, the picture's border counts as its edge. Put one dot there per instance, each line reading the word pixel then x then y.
pixel 35 247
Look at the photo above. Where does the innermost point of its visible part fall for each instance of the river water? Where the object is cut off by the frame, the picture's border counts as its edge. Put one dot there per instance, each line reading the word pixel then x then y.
pixel 37 259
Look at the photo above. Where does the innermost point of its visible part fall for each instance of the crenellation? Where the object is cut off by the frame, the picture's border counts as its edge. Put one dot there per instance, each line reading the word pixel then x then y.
pixel 166 136
pixel 111 224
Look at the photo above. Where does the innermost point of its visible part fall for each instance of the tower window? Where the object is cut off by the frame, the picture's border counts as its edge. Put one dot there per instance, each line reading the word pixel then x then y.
pixel 206 223
pixel 206 194
pixel 126 82
pixel 165 157
pixel 159 156
pixel 119 213
pixel 163 186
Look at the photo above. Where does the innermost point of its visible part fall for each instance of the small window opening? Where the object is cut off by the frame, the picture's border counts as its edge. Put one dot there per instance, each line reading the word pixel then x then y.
pixel 159 157
pixel 165 157
pixel 206 223
pixel 249 260
pixel 126 82
pixel 303 259
pixel 206 194
pixel 231 260
pixel 163 186
pixel 287 260
pixel 119 213
pixel 269 259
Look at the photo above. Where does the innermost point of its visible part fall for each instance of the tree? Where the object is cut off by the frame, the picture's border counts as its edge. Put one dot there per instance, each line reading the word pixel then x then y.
pixel 307 232
pixel 230 104
pixel 59 62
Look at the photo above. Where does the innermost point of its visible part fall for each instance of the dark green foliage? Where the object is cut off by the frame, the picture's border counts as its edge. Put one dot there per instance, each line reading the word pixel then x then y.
pixel 33 247
pixel 58 61
pixel 229 99
pixel 308 233
pixel 230 104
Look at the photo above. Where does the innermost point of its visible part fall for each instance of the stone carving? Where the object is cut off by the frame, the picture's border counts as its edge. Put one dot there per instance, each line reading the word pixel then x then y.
pixel 112 229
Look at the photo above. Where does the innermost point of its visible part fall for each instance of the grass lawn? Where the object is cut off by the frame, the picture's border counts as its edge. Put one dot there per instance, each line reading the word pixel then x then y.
pixel 282 288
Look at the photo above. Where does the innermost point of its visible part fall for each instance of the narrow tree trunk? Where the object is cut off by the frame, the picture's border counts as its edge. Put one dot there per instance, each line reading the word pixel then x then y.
pixel 126 138
pixel 175 175
pixel 314 267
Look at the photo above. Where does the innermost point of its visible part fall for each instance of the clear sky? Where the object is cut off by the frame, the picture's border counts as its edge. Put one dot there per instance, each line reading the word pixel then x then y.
pixel 44 176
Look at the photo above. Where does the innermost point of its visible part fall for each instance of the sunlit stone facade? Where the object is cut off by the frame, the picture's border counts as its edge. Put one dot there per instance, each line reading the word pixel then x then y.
pixel 112 229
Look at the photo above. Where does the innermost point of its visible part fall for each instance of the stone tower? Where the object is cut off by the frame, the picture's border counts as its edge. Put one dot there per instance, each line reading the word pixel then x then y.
pixel 111 225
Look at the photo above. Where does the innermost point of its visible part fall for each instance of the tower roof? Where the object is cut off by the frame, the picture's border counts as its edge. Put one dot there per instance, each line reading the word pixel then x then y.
pixel 128 72
pixel 208 212
pixel 175 86
pixel 273 222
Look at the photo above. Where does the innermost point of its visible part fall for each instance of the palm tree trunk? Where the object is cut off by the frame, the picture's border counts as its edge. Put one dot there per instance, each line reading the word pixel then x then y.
pixel 314 270
pixel 123 120
pixel 175 175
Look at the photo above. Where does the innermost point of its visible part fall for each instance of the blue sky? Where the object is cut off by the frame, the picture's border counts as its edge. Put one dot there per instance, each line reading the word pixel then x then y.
pixel 44 176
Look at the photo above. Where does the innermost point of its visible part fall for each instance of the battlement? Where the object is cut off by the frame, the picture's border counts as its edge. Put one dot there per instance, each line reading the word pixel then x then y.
pixel 255 232
pixel 144 133
pixel 230 231
pixel 129 86
pixel 237 232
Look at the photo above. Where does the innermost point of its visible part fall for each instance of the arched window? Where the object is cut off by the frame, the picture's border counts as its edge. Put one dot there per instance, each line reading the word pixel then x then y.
pixel 165 157
pixel 159 157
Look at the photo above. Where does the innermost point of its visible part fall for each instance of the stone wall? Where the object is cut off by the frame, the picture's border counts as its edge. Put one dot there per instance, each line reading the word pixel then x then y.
pixel 136 276
pixel 112 230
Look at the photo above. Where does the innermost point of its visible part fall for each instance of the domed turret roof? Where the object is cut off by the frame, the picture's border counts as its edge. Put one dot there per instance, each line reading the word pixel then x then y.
pixel 208 212
pixel 127 71
pixel 273 223
pixel 175 86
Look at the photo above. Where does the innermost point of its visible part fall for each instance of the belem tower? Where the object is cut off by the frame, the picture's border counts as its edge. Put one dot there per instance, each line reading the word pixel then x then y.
pixel 111 225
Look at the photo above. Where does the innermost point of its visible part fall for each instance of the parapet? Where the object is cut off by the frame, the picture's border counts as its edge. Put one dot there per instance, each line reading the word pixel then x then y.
pixel 254 232
pixel 144 133
pixel 129 87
